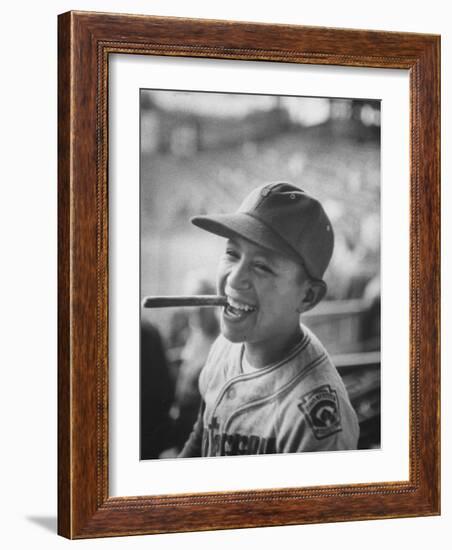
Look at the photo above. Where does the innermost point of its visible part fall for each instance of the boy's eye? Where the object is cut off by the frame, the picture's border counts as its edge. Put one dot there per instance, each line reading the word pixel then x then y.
pixel 263 267
pixel 231 253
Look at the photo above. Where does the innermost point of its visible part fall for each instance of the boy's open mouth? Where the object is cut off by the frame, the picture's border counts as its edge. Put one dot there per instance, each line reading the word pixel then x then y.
pixel 238 310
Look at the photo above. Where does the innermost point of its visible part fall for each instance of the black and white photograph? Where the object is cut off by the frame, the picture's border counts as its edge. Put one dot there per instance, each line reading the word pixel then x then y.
pixel 260 274
pixel 226 225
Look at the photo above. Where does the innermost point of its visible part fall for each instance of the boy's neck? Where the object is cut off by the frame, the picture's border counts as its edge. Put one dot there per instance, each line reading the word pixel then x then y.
pixel 261 354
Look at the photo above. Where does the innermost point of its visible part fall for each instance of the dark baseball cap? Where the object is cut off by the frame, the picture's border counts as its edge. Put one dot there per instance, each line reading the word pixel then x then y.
pixel 283 218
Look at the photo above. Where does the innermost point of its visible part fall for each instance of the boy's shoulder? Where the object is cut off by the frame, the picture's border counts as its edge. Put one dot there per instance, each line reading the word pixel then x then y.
pixel 315 345
pixel 315 353
pixel 317 409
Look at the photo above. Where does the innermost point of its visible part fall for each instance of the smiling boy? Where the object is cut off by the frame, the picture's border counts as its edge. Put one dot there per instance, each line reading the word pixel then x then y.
pixel 268 385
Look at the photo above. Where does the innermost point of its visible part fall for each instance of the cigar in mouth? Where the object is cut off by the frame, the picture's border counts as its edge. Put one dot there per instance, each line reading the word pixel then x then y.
pixel 184 301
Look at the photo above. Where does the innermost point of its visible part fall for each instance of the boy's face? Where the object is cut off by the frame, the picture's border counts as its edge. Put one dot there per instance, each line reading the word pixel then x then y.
pixel 264 290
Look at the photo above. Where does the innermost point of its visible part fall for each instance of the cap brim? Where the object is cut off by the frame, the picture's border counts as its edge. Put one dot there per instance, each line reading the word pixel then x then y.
pixel 244 225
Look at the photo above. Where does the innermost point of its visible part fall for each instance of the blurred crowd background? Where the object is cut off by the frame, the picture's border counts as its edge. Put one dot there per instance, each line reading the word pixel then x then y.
pixel 202 153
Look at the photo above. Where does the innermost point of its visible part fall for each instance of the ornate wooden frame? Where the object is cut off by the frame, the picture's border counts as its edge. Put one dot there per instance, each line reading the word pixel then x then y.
pixel 85 42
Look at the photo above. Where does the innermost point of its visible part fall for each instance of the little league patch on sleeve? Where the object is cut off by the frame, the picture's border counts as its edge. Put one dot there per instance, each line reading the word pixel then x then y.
pixel 321 408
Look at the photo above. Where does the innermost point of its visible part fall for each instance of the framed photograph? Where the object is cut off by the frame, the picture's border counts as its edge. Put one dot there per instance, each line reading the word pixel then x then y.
pixel 248 275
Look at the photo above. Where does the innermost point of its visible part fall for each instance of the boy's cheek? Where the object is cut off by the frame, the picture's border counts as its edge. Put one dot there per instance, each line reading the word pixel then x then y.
pixel 221 288
pixel 221 279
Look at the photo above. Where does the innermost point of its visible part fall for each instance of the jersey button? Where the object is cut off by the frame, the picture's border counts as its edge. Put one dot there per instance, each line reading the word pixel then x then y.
pixel 231 393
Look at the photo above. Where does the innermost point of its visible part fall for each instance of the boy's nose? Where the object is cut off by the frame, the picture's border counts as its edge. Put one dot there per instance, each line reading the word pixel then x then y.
pixel 238 277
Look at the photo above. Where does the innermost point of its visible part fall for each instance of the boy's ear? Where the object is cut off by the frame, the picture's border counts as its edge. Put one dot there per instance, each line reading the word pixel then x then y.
pixel 314 293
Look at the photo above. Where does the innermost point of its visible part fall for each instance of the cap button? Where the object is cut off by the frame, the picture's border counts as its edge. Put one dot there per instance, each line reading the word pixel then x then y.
pixel 266 191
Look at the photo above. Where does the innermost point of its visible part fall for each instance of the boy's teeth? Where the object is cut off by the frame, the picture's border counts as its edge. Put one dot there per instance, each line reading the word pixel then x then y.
pixel 238 305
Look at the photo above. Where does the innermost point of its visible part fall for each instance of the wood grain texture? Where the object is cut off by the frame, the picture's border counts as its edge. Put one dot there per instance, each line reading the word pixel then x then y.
pixel 85 42
pixel 64 296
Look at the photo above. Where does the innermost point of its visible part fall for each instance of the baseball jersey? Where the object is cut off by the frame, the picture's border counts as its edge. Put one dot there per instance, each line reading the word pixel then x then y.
pixel 297 404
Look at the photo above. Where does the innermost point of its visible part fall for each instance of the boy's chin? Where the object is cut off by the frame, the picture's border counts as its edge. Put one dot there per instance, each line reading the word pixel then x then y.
pixel 234 337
